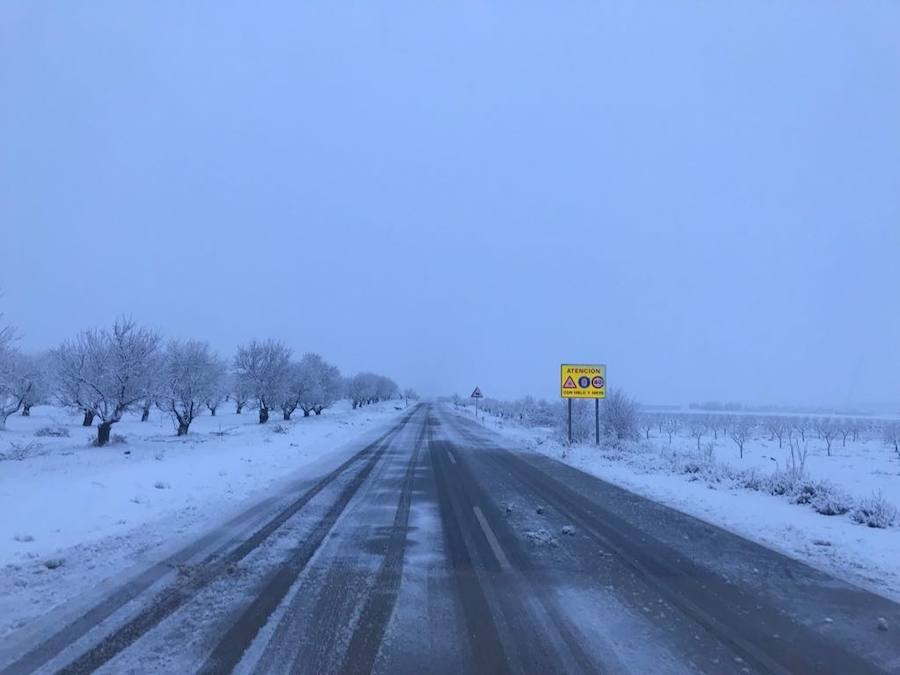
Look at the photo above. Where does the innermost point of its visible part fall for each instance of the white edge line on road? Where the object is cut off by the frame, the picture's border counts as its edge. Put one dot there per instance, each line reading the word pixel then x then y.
pixel 452 458
pixel 492 540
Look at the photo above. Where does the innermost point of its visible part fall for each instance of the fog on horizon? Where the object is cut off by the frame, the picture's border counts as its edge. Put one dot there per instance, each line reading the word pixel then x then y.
pixel 706 198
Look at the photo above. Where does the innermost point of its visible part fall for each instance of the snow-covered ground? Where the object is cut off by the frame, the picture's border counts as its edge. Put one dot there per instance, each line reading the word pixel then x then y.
pixel 869 557
pixel 74 514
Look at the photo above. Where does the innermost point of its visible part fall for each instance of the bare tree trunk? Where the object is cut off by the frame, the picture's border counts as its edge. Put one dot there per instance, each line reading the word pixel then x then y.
pixel 287 415
pixel 239 409
pixel 103 432
pixel 88 419
pixel 263 415
pixel 183 428
pixel 145 414
pixel 26 411
pixel 305 412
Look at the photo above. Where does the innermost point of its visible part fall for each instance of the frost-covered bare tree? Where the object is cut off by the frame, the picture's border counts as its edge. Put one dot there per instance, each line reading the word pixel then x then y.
pixel 240 392
pixel 697 429
pixel 220 388
pixel 801 426
pixel 290 397
pixel 740 430
pixel 858 427
pixel 191 373
pixel 647 422
pixel 72 390
pixel 777 427
pixel 12 393
pixel 152 385
pixel 34 380
pixel 263 368
pixel 827 430
pixel 891 435
pixel 619 415
pixel 670 426
pixel 319 384
pixel 385 388
pixel 844 426
pixel 361 388
pixel 410 394
pixel 106 372
pixel 365 388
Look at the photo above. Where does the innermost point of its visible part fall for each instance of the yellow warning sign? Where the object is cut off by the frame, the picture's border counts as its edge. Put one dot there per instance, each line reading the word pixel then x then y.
pixel 582 380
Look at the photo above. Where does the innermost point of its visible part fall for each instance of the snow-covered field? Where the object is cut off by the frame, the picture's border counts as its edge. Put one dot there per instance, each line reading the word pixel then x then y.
pixel 869 557
pixel 74 514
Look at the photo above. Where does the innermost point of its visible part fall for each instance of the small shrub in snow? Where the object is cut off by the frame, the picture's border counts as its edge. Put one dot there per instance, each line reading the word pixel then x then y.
pixel 691 467
pixel 781 483
pixel 53 432
pixel 751 479
pixel 831 501
pixel 716 472
pixel 279 429
pixel 23 538
pixel 805 491
pixel 53 563
pixel 875 511
pixel 161 485
pixel 21 451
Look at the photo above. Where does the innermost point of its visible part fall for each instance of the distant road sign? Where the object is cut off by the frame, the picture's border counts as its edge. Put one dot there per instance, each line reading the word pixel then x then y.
pixel 582 380
pixel 477 393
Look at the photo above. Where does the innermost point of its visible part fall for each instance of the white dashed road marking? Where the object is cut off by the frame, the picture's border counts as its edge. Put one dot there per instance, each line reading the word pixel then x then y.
pixel 492 540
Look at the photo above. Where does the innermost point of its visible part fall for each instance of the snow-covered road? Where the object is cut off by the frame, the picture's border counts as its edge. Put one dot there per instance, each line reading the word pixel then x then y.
pixel 434 548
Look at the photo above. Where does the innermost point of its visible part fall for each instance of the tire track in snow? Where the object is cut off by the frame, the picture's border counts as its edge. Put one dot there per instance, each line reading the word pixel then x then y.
pixel 172 598
pixel 231 647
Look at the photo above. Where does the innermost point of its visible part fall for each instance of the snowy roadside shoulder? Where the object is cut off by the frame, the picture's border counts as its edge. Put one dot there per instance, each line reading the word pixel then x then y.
pixel 842 529
pixel 74 514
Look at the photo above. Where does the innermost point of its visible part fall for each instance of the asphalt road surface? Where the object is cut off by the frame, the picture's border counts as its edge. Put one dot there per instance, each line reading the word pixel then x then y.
pixel 436 550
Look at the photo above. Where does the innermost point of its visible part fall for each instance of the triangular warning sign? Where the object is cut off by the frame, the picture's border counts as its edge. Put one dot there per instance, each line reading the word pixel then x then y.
pixel 569 383
pixel 477 393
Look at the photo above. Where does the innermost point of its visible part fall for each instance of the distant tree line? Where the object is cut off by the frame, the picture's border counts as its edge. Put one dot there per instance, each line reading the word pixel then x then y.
pixel 783 429
pixel 105 373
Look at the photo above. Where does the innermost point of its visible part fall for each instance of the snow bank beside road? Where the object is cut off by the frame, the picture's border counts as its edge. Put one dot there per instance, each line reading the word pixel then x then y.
pixel 866 556
pixel 91 512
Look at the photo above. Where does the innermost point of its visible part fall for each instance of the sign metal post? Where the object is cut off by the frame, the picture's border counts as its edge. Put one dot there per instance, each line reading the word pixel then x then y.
pixel 583 380
pixel 477 395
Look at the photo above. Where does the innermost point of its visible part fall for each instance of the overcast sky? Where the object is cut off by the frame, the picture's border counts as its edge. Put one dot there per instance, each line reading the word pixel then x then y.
pixel 704 196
